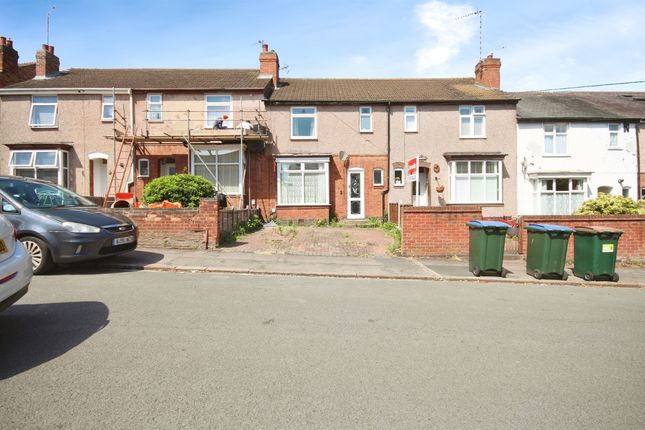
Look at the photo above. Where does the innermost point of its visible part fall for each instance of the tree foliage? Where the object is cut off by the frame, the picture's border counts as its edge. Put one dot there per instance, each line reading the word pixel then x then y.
pixel 607 204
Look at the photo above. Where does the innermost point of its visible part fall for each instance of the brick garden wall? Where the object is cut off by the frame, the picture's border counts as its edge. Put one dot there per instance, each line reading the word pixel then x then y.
pixel 436 231
pixel 631 243
pixel 302 214
pixel 195 228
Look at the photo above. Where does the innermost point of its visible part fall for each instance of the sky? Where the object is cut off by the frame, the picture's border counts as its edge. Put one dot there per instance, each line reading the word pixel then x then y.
pixel 543 44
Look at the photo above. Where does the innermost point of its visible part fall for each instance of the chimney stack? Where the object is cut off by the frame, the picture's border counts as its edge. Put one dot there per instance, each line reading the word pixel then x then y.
pixel 269 64
pixel 487 72
pixel 8 56
pixel 47 64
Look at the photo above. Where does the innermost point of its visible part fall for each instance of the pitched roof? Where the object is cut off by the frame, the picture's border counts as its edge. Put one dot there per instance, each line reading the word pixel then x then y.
pixel 384 90
pixel 584 106
pixel 153 79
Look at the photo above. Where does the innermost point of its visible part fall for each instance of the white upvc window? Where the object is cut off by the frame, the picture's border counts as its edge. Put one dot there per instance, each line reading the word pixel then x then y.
pixel 222 165
pixel 303 181
pixel 476 181
pixel 43 113
pixel 49 165
pixel 365 119
pixel 555 139
pixel 377 177
pixel 219 111
pixel 410 123
pixel 107 108
pixel 614 130
pixel 155 107
pixel 144 168
pixel 559 196
pixel 399 178
pixel 303 122
pixel 472 121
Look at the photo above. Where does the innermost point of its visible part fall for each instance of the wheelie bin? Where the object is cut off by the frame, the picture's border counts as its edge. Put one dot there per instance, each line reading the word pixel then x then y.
pixel 547 250
pixel 595 249
pixel 486 247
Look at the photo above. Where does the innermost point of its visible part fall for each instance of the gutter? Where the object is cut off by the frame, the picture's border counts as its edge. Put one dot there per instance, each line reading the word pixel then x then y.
pixel 27 91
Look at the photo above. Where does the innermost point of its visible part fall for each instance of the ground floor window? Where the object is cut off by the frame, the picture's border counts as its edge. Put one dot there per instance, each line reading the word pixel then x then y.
pixel 559 196
pixel 476 181
pixel 49 165
pixel 303 181
pixel 221 165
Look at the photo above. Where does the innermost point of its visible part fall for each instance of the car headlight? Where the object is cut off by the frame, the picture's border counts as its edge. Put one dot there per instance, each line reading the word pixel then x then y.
pixel 76 227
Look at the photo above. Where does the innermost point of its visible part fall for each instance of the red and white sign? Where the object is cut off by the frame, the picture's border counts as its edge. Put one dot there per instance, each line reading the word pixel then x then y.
pixel 412 169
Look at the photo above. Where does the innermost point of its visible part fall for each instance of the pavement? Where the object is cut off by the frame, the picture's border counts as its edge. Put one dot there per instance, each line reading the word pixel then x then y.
pixel 375 267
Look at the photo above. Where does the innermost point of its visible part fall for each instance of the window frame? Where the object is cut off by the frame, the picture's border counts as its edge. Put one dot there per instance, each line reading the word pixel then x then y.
pixel 61 164
pixel 382 182
pixel 302 161
pixel 537 191
pixel 195 161
pixel 150 103
pixel 368 115
pixel 555 134
pixel 304 115
pixel 54 124
pixel 471 116
pixel 484 174
pixel 103 105
pixel 614 132
pixel 229 112
pixel 414 114
pixel 402 184
pixel 139 162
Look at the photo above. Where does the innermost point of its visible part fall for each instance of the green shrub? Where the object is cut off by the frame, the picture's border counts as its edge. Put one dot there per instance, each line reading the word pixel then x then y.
pixel 183 188
pixel 395 233
pixel 607 204
pixel 254 223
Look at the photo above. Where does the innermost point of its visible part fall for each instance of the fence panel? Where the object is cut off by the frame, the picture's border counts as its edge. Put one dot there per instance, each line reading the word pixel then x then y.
pixel 230 218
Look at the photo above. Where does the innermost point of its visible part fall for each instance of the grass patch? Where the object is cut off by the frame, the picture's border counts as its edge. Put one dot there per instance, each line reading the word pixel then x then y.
pixel 254 223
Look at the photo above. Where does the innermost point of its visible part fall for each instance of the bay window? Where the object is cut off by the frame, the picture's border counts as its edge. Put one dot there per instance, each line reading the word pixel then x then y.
pixel 476 181
pixel 559 196
pixel 303 181
pixel 472 121
pixel 49 165
pixel 219 108
pixel 43 111
pixel 555 139
pixel 221 165
pixel 303 122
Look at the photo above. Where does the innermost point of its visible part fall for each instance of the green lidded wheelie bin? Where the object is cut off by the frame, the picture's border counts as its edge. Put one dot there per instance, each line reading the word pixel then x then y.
pixel 595 249
pixel 486 247
pixel 547 250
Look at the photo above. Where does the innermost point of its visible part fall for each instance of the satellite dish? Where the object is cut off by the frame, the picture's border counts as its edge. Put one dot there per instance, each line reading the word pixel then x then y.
pixel 343 156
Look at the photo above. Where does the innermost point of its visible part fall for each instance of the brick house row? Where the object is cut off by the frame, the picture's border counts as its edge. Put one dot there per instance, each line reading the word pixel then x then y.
pixel 302 149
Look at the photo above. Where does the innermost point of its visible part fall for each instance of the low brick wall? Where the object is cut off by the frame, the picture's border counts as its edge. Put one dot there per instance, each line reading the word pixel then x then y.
pixel 229 218
pixel 436 231
pixel 195 228
pixel 630 246
pixel 302 214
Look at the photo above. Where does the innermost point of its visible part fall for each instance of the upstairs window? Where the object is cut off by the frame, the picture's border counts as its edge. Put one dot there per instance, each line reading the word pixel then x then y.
pixel 303 122
pixel 219 111
pixel 43 111
pixel 107 108
pixel 365 119
pixel 555 139
pixel 472 121
pixel 155 108
pixel 410 118
pixel 613 135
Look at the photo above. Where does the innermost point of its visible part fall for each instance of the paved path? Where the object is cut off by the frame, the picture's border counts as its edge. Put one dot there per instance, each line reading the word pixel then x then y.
pixel 144 350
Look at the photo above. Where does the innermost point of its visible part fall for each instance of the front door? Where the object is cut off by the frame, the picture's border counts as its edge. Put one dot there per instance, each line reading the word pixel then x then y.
pixel 420 197
pixel 99 176
pixel 355 194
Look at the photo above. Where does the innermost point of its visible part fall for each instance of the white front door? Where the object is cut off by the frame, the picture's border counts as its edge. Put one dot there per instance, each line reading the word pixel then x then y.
pixel 355 194
pixel 100 176
pixel 421 195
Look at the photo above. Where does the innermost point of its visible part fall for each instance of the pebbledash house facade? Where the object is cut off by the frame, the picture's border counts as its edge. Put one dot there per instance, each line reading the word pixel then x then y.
pixel 301 149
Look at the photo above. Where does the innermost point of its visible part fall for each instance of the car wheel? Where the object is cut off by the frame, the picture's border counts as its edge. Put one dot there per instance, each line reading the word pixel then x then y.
pixel 41 259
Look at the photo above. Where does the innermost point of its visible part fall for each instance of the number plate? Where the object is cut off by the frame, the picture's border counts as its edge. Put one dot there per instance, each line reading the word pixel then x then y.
pixel 122 240
pixel 3 247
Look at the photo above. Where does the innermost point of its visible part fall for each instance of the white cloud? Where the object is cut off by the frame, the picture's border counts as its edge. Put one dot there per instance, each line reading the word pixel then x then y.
pixel 445 33
pixel 358 59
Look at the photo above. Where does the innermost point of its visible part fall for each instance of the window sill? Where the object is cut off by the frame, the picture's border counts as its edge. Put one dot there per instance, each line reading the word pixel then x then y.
pixel 472 137
pixel 38 127
pixel 410 131
pixel 615 148
pixel 398 185
pixel 366 131
pixel 304 138
pixel 378 186
pixel 306 205
pixel 556 155
pixel 156 121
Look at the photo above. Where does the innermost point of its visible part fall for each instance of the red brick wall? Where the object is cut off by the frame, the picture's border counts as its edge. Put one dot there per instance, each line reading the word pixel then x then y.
pixel 302 213
pixel 155 153
pixel 373 194
pixel 177 228
pixel 262 175
pixel 436 231
pixel 630 245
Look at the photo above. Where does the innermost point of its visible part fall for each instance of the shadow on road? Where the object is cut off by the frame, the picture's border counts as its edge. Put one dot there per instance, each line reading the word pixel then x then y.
pixel 130 261
pixel 31 335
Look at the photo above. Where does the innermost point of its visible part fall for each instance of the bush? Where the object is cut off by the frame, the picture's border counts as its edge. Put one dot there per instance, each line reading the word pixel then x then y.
pixel 607 204
pixel 183 188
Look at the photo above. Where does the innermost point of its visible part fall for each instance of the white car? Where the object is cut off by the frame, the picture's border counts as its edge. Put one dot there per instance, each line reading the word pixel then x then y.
pixel 15 266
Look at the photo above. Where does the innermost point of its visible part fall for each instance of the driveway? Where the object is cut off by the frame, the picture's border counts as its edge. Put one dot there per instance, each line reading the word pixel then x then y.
pixel 311 240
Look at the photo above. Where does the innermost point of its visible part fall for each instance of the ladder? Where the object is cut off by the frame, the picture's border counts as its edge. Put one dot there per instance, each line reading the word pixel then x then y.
pixel 121 170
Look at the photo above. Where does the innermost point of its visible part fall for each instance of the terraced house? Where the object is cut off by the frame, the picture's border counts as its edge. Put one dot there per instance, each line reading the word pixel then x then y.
pixel 303 149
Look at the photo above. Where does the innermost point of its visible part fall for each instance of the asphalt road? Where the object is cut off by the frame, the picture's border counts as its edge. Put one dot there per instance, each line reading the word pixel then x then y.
pixel 197 350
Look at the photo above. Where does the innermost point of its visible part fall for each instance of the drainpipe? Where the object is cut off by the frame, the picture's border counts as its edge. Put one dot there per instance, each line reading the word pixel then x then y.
pixel 386 191
pixel 638 160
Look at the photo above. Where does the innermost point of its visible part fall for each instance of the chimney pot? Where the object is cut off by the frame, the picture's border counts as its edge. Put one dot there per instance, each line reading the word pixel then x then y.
pixel 265 47
pixel 51 49
pixel 9 43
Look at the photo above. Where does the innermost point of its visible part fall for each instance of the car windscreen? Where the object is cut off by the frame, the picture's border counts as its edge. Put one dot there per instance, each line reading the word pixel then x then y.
pixel 37 195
